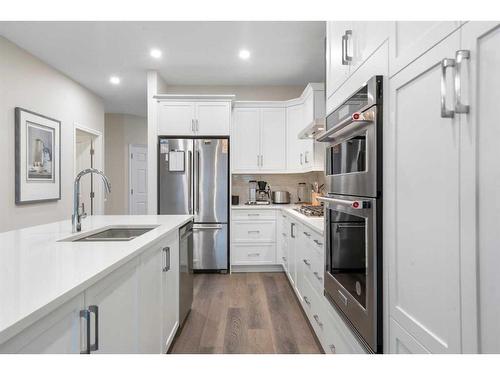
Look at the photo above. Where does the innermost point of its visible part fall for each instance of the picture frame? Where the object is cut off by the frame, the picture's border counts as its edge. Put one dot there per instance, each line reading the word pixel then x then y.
pixel 38 157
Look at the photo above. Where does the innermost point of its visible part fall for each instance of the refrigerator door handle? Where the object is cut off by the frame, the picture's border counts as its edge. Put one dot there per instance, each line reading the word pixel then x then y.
pixel 190 176
pixel 197 200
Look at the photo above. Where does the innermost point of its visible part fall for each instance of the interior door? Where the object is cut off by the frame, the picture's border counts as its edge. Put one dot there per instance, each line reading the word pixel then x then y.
pixel 175 165
pixel 246 139
pixel 480 133
pixel 138 172
pixel 422 203
pixel 211 180
pixel 273 139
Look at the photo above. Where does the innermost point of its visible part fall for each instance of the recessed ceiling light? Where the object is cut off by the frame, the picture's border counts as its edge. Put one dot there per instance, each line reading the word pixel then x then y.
pixel 156 53
pixel 244 54
pixel 114 80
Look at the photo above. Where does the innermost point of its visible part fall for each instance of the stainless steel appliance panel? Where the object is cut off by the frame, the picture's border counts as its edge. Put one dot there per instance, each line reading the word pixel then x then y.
pixel 175 192
pixel 211 180
pixel 210 246
pixel 185 271
pixel 352 264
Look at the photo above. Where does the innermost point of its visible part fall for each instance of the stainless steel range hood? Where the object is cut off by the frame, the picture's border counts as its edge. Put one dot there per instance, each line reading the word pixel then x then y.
pixel 312 130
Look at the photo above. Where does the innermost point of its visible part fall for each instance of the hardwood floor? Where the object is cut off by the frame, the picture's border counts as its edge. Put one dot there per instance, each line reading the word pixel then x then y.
pixel 245 313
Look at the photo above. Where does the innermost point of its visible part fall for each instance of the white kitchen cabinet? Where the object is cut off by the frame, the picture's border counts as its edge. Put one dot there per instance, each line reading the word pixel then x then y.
pixel 253 254
pixel 423 203
pixel 479 184
pixel 56 333
pixel 191 118
pixel 295 146
pixel 367 37
pixel 401 342
pixel 117 299
pixel 272 139
pixel 411 39
pixel 258 139
pixel 338 34
pixel 169 290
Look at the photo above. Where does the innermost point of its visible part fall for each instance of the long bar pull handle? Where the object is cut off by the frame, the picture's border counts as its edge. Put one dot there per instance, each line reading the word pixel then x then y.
pixel 197 181
pixel 459 57
pixel 445 64
pixel 85 314
pixel 166 250
pixel 346 59
pixel 95 310
pixel 190 177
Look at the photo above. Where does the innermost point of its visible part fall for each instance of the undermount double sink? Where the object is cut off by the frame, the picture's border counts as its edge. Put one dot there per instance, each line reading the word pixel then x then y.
pixel 111 233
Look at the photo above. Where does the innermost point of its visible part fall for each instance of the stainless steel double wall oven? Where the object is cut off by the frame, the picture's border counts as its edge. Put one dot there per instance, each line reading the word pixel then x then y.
pixel 353 211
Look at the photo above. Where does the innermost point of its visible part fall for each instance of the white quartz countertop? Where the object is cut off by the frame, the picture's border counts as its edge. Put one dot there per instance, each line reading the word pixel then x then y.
pixel 315 223
pixel 38 273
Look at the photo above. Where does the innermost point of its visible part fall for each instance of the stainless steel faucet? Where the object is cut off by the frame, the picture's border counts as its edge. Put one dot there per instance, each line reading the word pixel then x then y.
pixel 76 218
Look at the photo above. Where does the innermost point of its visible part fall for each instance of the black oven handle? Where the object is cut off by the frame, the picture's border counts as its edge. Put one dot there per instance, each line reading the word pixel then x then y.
pixel 356 204
pixel 364 118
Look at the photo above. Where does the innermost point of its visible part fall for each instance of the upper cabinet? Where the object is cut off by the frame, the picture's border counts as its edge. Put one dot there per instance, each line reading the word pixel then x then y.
pixel 258 139
pixel 348 45
pixel 193 117
pixel 411 39
pixel 265 135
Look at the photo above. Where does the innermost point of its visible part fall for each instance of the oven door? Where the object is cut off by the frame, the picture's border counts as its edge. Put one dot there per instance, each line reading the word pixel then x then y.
pixel 351 156
pixel 351 262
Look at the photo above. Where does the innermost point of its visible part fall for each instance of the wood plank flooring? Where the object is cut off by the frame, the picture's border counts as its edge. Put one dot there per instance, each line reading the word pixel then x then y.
pixel 245 313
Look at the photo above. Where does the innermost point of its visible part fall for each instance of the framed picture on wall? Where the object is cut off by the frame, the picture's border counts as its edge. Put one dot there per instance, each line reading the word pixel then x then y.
pixel 38 157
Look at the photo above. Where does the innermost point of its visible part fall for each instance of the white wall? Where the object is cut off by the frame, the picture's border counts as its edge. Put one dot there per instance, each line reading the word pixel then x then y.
pixel 27 82
pixel 120 131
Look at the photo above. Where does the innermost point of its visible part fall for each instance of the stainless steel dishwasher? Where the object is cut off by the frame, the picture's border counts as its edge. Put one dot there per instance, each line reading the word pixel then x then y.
pixel 186 271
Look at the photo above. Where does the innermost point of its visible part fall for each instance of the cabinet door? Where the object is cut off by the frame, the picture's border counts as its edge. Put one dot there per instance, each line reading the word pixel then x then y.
pixel 213 118
pixel 411 39
pixel 176 118
pixel 367 36
pixel 170 291
pixel 337 68
pixel 480 199
pixel 273 139
pixel 295 152
pixel 150 312
pixel 292 246
pixel 56 333
pixel 117 299
pixel 422 190
pixel 246 139
pixel 401 342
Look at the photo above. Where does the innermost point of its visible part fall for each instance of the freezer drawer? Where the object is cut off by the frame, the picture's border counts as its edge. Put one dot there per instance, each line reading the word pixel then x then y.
pixel 210 246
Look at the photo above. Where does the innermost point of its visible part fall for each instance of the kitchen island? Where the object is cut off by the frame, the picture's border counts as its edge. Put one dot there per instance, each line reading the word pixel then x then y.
pixel 47 286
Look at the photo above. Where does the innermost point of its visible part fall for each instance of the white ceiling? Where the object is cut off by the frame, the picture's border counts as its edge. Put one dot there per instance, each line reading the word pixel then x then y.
pixel 194 53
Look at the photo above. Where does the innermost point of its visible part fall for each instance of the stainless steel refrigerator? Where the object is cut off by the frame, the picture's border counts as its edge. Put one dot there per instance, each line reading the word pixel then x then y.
pixel 194 179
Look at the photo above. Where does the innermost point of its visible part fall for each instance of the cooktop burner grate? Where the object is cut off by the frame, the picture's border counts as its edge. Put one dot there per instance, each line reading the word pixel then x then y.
pixel 317 211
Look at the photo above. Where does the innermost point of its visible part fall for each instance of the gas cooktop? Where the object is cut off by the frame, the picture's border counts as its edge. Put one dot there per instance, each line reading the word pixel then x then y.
pixel 314 211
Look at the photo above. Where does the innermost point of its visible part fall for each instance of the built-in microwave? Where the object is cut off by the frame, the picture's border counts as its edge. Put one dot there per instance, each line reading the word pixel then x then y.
pixel 353 134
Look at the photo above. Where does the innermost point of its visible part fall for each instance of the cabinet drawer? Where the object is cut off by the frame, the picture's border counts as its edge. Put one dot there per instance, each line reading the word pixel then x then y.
pixel 257 231
pixel 252 214
pixel 245 254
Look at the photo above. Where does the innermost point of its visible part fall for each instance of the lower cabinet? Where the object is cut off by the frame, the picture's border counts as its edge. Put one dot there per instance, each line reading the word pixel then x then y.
pixel 134 309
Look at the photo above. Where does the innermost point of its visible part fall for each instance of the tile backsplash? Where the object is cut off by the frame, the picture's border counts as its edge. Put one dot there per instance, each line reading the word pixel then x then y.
pixel 288 182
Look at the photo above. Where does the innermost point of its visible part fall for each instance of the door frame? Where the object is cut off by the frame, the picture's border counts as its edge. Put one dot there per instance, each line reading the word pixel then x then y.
pixel 130 146
pixel 98 161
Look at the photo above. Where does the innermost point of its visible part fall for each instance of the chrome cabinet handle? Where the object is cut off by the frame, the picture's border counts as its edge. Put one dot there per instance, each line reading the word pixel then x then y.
pixel 258 161
pixel 292 226
pixel 316 318
pixel 318 243
pixel 307 263
pixel 318 276
pixel 85 314
pixel 305 157
pixel 166 250
pixel 306 300
pixel 253 254
pixel 254 231
pixel 332 348
pixel 346 59
pixel 459 57
pixel 301 156
pixel 197 125
pixel 190 177
pixel 306 234
pixel 445 64
pixel 95 310
pixel 253 214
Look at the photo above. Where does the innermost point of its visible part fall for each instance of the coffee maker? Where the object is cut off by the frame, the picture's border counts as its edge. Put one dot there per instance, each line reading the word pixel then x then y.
pixel 259 193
